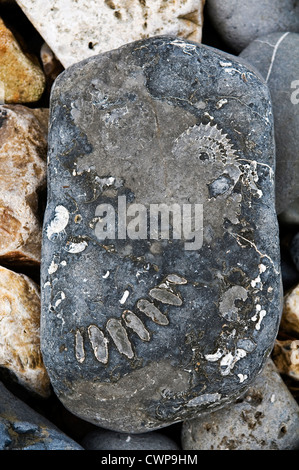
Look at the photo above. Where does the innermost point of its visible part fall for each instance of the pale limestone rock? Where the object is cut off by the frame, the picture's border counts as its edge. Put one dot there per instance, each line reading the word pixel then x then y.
pixel 23 147
pixel 77 29
pixel 20 331
pixel 290 315
pixel 21 80
pixel 286 357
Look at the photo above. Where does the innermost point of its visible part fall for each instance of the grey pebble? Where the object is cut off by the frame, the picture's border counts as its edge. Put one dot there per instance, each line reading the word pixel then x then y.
pixel 265 418
pixel 240 22
pixel 275 56
pixel 22 428
pixel 146 124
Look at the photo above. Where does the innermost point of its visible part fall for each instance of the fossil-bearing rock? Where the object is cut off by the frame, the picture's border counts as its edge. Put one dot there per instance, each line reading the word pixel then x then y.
pixel 142 328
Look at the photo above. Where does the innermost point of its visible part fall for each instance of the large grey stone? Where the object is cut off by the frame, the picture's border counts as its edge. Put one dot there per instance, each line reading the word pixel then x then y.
pixel 138 334
pixel 265 418
pixel 275 57
pixel 239 23
pixel 22 428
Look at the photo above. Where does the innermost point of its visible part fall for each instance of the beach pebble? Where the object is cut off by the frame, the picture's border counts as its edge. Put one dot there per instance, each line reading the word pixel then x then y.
pixel 265 418
pixel 20 332
pixel 23 151
pixel 239 23
pixel 273 56
pixel 144 328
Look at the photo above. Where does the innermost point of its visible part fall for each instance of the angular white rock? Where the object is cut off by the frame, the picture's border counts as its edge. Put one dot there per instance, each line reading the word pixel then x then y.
pixel 77 29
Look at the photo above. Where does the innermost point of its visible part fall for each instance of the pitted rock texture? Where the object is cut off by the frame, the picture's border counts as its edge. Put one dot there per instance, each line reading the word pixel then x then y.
pixel 265 418
pixel 239 23
pixel 22 428
pixel 20 331
pixel 75 30
pixel 138 333
pixel 23 153
pixel 273 56
pixel 21 78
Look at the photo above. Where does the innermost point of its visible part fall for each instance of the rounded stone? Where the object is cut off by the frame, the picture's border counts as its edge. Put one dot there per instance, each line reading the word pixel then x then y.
pixel 22 428
pixel 265 418
pixel 135 135
pixel 239 23
pixel 273 56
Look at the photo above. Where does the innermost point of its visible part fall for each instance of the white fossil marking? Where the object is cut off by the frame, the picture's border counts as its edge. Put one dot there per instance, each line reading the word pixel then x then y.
pixel 152 312
pixel 59 222
pixel 119 337
pixel 165 296
pixel 132 321
pixel 106 275
pixel 229 360
pixel 58 302
pixel 124 297
pixel 77 247
pixel 99 343
pixel 52 268
pixel 79 347
pixel 206 398
pixel 214 357
pixel 242 377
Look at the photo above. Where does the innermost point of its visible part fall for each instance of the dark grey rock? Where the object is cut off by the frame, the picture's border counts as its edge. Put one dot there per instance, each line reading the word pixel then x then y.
pixel 239 23
pixel 138 334
pixel 109 440
pixel 22 428
pixel 290 216
pixel 265 418
pixel 294 250
pixel 274 57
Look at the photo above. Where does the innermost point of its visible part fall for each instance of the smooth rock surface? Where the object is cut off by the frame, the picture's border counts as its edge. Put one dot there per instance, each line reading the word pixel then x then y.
pixel 239 23
pixel 138 334
pixel 290 216
pixel 108 440
pixel 21 79
pixel 265 418
pixel 20 331
pixel 23 151
pixel 22 428
pixel 273 56
pixel 75 30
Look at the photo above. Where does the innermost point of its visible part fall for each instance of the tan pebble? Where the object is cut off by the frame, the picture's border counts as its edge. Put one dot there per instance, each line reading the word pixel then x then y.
pixel 23 147
pixel 21 80
pixel 290 315
pixel 20 331
pixel 285 355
